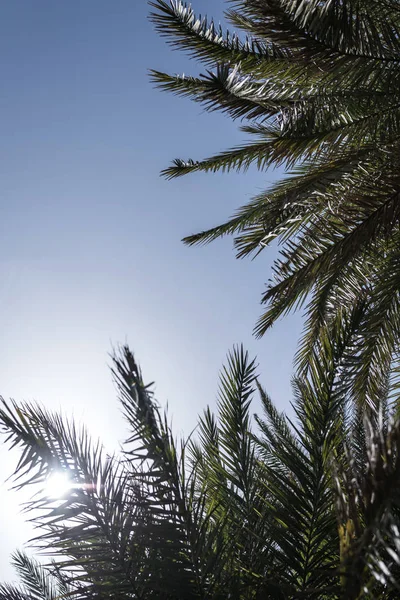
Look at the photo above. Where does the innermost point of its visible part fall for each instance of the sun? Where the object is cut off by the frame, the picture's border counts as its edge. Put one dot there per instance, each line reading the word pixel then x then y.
pixel 58 485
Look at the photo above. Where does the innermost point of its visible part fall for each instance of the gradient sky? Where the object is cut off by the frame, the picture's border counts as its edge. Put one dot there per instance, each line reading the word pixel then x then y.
pixel 90 234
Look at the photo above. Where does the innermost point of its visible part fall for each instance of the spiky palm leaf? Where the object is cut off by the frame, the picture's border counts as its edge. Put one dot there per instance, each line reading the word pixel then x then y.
pixel 247 510
pixel 36 581
pixel 140 524
pixel 318 83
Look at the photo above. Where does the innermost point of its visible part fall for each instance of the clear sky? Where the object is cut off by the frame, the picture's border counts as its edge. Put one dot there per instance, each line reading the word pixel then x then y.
pixel 90 234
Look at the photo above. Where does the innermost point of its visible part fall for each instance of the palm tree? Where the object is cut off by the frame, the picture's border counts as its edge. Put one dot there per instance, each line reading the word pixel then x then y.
pixel 245 508
pixel 37 582
pixel 316 83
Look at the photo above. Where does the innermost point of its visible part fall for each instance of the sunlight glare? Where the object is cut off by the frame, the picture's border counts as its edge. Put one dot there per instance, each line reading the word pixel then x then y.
pixel 58 485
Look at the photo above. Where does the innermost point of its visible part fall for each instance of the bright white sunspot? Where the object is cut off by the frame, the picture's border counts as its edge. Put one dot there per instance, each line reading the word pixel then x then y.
pixel 58 485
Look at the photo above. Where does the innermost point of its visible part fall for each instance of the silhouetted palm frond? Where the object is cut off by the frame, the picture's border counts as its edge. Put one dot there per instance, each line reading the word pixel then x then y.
pixel 317 84
pixel 246 508
pixel 37 581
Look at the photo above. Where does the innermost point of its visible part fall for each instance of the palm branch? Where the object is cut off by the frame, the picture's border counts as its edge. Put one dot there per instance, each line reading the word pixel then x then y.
pixel 317 86
pixel 36 581
pixel 245 508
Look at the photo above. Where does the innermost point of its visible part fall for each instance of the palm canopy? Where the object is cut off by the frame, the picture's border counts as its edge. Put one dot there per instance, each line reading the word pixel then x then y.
pixel 316 83
pixel 247 508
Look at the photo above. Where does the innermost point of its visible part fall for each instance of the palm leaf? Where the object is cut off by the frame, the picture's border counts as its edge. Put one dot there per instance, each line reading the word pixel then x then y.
pixel 321 99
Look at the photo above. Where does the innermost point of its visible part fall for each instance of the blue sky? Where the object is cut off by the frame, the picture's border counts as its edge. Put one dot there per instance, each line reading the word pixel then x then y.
pixel 90 234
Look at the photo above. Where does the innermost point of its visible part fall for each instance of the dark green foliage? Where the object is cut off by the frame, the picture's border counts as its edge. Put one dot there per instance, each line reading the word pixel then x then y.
pixel 317 85
pixel 246 508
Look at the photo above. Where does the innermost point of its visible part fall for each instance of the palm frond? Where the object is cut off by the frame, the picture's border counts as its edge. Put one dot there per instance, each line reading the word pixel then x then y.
pixel 202 39
pixel 271 507
pixel 12 592
pixel 34 577
pixel 324 105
